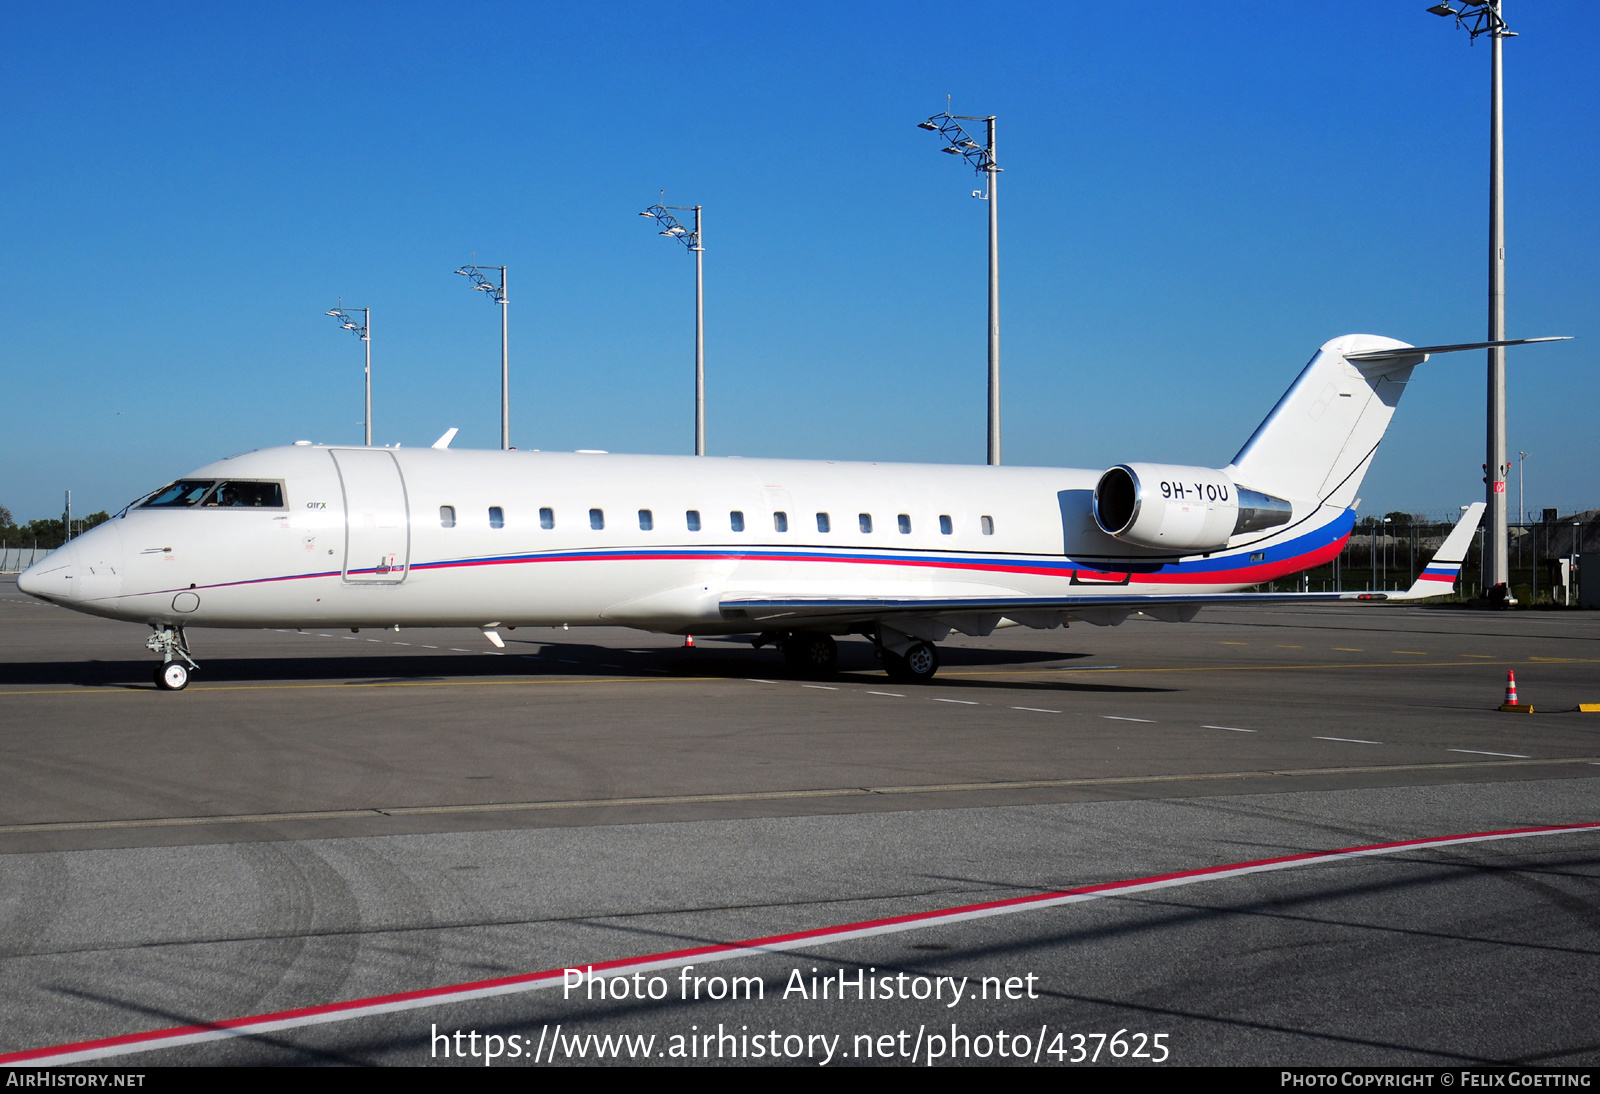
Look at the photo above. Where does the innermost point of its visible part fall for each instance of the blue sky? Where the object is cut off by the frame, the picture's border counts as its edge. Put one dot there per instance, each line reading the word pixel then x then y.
pixel 1194 199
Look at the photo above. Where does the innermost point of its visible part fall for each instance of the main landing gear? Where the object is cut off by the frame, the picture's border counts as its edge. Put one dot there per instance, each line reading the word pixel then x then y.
pixel 916 666
pixel 169 641
pixel 811 654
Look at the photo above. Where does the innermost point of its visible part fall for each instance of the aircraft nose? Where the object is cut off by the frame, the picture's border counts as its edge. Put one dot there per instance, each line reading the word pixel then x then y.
pixel 50 578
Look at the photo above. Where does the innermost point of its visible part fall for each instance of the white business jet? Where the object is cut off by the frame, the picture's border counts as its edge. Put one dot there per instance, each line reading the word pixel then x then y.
pixel 795 552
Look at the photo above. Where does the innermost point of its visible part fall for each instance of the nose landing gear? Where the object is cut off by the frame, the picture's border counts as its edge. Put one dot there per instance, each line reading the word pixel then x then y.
pixel 169 641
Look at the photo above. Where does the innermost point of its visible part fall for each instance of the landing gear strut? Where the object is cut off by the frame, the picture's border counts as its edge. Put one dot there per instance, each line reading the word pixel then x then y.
pixel 169 641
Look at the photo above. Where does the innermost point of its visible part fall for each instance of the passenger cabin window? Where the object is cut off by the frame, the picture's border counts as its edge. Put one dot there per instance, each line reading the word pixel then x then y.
pixel 780 522
pixel 447 516
pixel 822 522
pixel 497 517
pixel 866 523
pixel 736 521
pixel 597 519
pixel 547 518
pixel 180 495
pixel 692 519
pixel 647 520
pixel 945 527
pixel 988 525
pixel 247 495
pixel 905 524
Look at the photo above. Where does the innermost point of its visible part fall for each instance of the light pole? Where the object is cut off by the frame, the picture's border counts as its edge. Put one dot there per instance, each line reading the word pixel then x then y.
pixel 1483 17
pixel 363 332
pixel 691 239
pixel 982 158
pixel 497 293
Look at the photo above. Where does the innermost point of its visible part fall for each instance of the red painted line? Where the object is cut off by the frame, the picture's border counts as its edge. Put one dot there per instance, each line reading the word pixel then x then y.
pixel 80 1051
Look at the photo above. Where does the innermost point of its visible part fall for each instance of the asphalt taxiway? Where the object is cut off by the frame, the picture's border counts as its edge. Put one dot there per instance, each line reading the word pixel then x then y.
pixel 326 816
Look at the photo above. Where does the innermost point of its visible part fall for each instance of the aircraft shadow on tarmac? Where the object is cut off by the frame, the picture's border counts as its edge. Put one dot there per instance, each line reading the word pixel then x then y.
pixel 711 658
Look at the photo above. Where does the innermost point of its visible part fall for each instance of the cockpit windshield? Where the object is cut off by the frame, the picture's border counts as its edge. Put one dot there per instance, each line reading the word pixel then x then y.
pixel 180 495
pixel 210 494
pixel 247 495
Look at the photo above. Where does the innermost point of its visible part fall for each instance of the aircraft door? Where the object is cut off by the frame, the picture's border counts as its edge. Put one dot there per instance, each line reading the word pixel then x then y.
pixel 377 525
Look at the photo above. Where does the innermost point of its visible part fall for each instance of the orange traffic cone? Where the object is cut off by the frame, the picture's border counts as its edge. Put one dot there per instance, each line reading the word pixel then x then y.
pixel 1511 705
pixel 688 641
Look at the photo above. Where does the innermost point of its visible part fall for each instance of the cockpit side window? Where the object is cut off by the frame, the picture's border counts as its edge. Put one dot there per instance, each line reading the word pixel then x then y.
pixel 180 495
pixel 234 494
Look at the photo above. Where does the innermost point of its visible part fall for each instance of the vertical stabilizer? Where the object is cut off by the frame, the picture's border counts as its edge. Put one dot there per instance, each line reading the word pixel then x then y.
pixel 1319 440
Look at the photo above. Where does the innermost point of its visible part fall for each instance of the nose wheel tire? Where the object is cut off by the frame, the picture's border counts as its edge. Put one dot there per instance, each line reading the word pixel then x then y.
pixel 172 676
pixel 812 654
pixel 916 666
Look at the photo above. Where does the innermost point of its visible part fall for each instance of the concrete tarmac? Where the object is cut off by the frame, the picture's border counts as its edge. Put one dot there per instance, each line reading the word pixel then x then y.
pixel 325 816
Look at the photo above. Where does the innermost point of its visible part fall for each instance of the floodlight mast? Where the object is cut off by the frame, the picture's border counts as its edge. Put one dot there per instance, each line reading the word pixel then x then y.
pixel 671 228
pixel 1483 17
pixel 497 293
pixel 982 159
pixel 363 332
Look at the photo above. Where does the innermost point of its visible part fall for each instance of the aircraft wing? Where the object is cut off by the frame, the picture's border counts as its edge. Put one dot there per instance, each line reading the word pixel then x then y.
pixel 1437 579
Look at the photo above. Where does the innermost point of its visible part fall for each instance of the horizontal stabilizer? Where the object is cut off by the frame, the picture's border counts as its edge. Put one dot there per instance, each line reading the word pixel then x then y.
pixel 1415 351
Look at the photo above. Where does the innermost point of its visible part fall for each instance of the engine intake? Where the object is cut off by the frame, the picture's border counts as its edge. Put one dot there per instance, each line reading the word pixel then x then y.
pixel 1181 508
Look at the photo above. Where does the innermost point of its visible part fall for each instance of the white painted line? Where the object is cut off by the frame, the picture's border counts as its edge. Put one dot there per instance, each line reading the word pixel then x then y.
pixel 324 636
pixel 890 694
pixel 751 680
pixel 1232 729
pixel 565 661
pixel 963 702
pixel 458 649
pixel 428 647
pixel 1480 752
pixel 1037 710
pixel 349 638
pixel 1348 740
pixel 402 643
pixel 1125 718
pixel 255 1025
pixel 605 666
pixel 819 687
pixel 375 640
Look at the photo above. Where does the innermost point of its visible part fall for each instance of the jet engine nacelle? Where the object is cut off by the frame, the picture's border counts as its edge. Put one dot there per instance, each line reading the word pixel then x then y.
pixel 1181 508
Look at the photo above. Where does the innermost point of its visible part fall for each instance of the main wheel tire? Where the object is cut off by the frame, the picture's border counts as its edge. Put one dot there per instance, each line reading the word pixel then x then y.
pixel 812 654
pixel 172 676
pixel 916 666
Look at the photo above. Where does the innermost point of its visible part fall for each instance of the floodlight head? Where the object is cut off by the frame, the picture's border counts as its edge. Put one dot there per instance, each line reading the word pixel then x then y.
pixel 349 326
pixel 648 213
pixel 954 151
pixel 927 125
pixel 335 312
pixel 462 271
pixel 1443 9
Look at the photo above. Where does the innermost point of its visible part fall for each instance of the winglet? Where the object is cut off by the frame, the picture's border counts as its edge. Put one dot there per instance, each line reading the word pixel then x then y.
pixel 449 435
pixel 1438 577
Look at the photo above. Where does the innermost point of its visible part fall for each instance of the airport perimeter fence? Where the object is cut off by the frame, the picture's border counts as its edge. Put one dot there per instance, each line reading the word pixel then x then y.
pixel 1390 559
pixel 13 560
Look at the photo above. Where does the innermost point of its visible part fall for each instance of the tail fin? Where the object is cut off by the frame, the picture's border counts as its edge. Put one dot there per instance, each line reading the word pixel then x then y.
pixel 1438 577
pixel 1319 440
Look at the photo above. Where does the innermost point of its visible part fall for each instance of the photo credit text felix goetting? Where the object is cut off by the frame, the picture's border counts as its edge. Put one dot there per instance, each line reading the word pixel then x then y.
pixel 938 1034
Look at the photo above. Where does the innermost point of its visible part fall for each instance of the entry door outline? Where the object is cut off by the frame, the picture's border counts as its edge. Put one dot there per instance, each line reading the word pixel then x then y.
pixel 398 568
